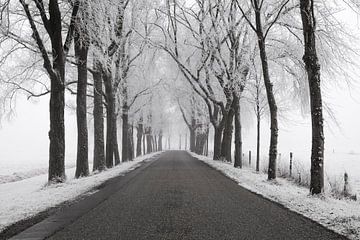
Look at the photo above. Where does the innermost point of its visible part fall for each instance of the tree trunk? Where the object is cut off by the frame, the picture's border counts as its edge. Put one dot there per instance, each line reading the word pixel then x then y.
pixel 217 142
pixel 200 143
pixel 110 116
pixel 155 143
pixel 258 139
pixel 270 95
pixel 144 144
pixel 125 132
pixel 57 105
pixel 160 141
pixel 57 134
pixel 139 136
pixel 192 140
pixel 238 139
pixel 273 115
pixel 313 70
pixel 227 136
pixel 81 53
pixel 115 140
pixel 99 153
pixel 131 143
pixel 207 142
pixel 148 140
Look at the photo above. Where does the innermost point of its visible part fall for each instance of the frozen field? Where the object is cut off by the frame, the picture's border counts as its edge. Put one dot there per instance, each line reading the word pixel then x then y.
pixel 16 170
pixel 336 165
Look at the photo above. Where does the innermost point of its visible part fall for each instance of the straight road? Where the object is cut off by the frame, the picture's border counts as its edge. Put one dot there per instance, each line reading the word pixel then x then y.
pixel 179 197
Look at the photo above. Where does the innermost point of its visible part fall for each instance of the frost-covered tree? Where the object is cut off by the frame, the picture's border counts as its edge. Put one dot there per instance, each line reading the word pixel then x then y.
pixel 312 66
pixel 54 58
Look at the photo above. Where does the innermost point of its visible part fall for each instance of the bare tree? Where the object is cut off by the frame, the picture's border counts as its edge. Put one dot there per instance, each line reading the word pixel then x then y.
pixel 261 34
pixel 81 47
pixel 313 70
pixel 52 22
pixel 257 99
pixel 99 163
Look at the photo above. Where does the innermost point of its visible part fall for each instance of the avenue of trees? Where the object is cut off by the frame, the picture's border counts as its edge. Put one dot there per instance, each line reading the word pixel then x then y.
pixel 129 61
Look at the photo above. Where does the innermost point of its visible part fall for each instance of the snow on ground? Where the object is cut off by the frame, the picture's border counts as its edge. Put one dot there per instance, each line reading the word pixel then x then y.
pixel 342 216
pixel 24 174
pixel 23 199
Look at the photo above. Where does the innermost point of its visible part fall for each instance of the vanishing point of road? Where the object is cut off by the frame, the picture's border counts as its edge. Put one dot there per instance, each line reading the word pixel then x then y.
pixel 176 197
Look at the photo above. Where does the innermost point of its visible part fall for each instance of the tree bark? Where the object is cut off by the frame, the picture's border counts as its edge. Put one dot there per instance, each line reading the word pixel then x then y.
pixel 144 144
pixel 99 153
pixel 110 116
pixel 140 132
pixel 217 142
pixel 125 133
pixel 116 144
pixel 207 142
pixel 131 142
pixel 201 143
pixel 160 141
pixel 313 70
pixel 192 139
pixel 57 98
pixel 81 53
pixel 227 136
pixel 258 117
pixel 238 136
pixel 57 131
pixel 155 143
pixel 149 148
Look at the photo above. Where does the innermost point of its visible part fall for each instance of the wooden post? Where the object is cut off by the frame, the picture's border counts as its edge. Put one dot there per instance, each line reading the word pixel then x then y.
pixel 291 162
pixel 180 142
pixel 250 158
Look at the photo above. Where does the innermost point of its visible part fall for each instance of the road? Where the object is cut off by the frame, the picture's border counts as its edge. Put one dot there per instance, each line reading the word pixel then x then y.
pixel 179 197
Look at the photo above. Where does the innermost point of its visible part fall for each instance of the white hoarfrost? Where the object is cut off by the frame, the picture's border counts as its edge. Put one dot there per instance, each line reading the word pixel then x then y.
pixel 23 199
pixel 342 216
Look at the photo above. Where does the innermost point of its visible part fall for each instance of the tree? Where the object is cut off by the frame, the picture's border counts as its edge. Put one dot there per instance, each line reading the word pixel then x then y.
pixel 99 163
pixel 190 121
pixel 56 72
pixel 313 71
pixel 140 133
pixel 81 53
pixel 257 99
pixel 261 37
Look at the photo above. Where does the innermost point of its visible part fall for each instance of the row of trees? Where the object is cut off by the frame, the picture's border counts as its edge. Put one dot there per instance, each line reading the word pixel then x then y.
pixel 232 51
pixel 94 44
pixel 136 60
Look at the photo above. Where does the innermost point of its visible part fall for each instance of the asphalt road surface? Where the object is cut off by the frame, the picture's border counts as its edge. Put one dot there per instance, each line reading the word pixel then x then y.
pixel 179 197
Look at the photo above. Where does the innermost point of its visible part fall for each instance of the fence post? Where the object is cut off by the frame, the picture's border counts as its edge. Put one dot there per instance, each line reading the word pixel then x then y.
pixel 291 162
